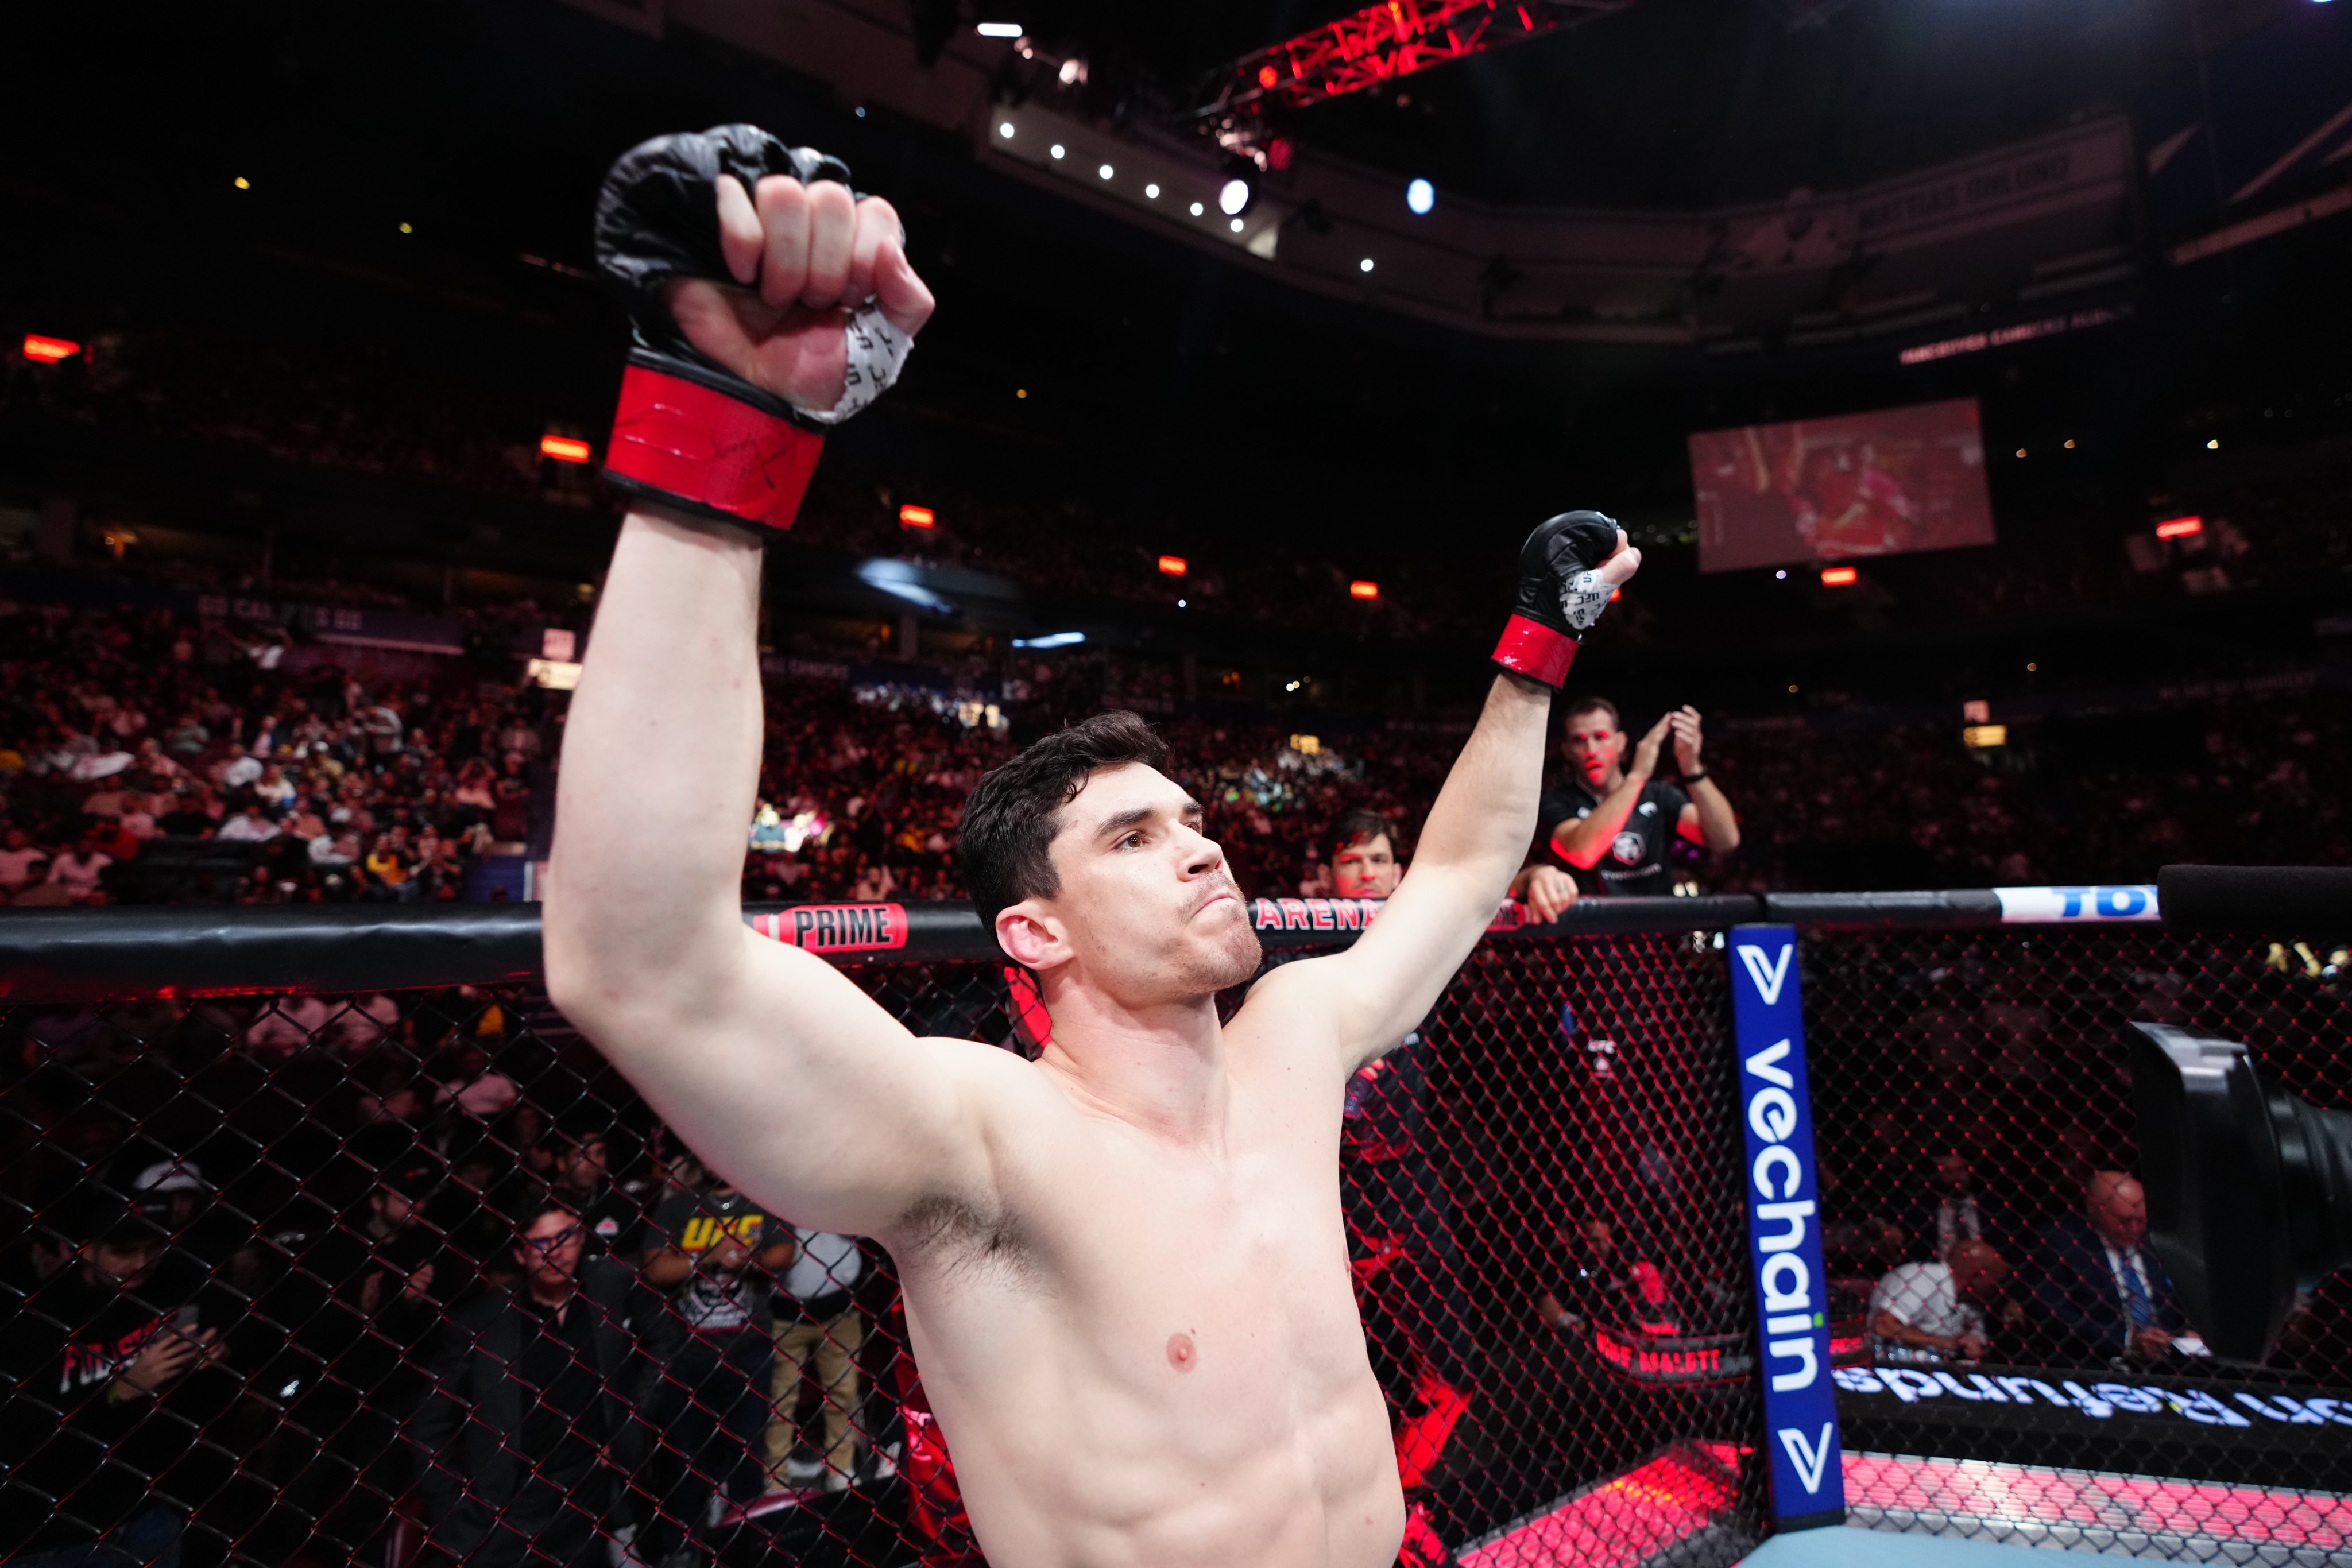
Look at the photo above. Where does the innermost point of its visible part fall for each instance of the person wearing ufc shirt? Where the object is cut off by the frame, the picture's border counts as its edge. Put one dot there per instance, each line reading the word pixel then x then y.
pixel 97 1361
pixel 718 1250
pixel 1612 820
pixel 1399 1225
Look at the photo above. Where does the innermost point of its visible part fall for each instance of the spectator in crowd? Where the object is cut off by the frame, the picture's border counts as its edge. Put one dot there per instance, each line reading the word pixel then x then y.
pixel 75 872
pixel 1952 1210
pixel 1601 1285
pixel 2096 1285
pixel 1615 821
pixel 714 1249
pixel 98 1360
pixel 359 1299
pixel 1935 1311
pixel 612 1221
pixel 21 863
pixel 532 1415
pixel 817 1326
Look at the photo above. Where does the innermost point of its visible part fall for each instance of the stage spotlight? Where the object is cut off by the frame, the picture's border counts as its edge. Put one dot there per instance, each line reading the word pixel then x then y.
pixel 1361 590
pixel 1151 191
pixel 243 184
pixel 45 350
pixel 1237 226
pixel 1233 197
pixel 1365 265
pixel 1104 170
pixel 1005 130
pixel 1173 565
pixel 1198 209
pixel 913 517
pixel 1421 196
pixel 1057 149
pixel 2214 444
pixel 1000 29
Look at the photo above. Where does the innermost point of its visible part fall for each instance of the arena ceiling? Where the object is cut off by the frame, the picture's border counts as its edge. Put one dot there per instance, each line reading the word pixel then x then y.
pixel 1679 103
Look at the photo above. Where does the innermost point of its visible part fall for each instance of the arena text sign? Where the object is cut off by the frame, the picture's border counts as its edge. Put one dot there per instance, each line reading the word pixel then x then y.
pixel 1784 1246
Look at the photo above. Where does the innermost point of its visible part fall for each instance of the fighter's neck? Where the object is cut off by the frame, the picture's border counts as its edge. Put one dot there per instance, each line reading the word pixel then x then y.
pixel 1160 1069
pixel 1608 782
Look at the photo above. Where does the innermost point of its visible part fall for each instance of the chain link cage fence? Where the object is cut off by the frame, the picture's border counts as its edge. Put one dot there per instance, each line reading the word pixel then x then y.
pixel 292 1199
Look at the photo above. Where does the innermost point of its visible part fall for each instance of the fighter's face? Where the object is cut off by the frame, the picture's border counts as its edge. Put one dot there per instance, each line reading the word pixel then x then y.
pixel 1365 869
pixel 1146 910
pixel 1594 745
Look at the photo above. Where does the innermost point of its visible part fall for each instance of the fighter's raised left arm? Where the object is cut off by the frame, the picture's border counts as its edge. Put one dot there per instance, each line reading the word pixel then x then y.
pixel 1477 832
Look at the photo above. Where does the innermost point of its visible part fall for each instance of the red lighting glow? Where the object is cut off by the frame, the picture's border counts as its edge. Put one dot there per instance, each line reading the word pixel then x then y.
pixel 917 517
pixel 48 350
pixel 563 448
pixel 1175 565
pixel 1839 576
pixel 1363 591
pixel 1267 76
pixel 2180 529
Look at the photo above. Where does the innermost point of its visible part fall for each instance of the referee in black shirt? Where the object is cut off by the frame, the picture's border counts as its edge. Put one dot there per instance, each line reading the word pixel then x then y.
pixel 1611 819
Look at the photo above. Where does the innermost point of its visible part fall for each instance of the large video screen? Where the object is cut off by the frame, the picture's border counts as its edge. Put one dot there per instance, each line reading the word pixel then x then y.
pixel 1882 483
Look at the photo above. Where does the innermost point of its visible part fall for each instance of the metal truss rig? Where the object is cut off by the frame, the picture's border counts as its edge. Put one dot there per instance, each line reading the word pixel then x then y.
pixel 1378 44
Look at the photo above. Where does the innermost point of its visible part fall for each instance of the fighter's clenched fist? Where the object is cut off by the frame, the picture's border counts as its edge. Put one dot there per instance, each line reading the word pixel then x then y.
pixel 768 302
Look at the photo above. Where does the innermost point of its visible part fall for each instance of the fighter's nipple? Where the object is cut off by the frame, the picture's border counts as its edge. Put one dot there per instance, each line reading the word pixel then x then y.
pixel 1182 1354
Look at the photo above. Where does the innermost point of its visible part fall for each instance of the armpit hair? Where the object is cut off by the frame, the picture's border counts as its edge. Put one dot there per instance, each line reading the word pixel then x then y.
pixel 956 1237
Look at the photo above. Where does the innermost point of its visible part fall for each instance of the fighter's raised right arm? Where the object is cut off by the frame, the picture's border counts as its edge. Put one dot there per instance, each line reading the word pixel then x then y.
pixel 774 1068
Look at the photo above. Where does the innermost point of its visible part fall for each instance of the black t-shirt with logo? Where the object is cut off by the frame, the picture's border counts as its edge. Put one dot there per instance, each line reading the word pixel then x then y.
pixel 1635 862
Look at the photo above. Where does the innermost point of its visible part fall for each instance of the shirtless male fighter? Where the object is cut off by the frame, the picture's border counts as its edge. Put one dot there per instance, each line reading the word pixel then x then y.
pixel 1125 1270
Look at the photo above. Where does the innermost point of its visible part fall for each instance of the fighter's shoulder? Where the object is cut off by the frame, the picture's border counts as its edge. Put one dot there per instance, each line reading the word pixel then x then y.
pixel 1298 1003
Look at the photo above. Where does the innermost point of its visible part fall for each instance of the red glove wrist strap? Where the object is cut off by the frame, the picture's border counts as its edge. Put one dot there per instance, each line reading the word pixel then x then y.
pixel 707 448
pixel 1532 649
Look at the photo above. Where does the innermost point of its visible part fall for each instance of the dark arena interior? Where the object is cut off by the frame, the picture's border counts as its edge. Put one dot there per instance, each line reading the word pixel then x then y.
pixel 1891 1116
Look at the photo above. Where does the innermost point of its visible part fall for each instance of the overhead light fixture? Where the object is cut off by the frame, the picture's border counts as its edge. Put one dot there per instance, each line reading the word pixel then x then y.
pixel 1000 29
pixel 917 517
pixel 563 448
pixel 243 184
pixel 1781 575
pixel 1234 196
pixel 1152 191
pixel 2214 444
pixel 1051 640
pixel 1840 576
pixel 1267 76
pixel 1004 129
pixel 1420 197
pixel 1361 590
pixel 1237 226
pixel 1057 149
pixel 1105 172
pixel 2180 529
pixel 407 229
pixel 1173 565
pixel 43 351
pixel 1198 209
pixel 1365 265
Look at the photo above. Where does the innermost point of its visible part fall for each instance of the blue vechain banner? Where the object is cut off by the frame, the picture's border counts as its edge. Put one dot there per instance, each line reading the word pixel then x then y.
pixel 1784 1230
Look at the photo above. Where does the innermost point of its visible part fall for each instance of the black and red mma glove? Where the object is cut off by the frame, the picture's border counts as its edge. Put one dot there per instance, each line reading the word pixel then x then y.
pixel 689 433
pixel 1560 595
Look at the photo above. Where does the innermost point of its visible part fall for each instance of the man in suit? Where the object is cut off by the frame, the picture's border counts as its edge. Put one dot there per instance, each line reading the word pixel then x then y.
pixel 2096 1285
pixel 531 1416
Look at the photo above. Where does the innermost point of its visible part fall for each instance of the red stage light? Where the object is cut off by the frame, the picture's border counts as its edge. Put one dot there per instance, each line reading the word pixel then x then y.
pixel 1175 565
pixel 1839 576
pixel 1267 76
pixel 2180 529
pixel 48 350
pixel 917 517
pixel 1363 590
pixel 563 448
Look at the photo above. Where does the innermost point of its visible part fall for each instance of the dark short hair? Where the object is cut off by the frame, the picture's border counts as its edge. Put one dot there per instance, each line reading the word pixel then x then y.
pixel 1357 827
pixel 1010 820
pixel 1594 704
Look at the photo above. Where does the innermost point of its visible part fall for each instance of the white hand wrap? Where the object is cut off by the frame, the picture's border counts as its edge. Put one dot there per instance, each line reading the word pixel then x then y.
pixel 1582 597
pixel 876 351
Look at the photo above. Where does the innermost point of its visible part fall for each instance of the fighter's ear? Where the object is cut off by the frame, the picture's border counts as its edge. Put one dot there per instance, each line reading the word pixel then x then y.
pixel 1032 935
